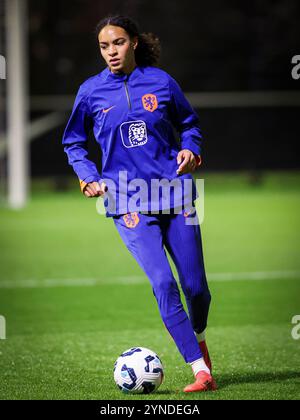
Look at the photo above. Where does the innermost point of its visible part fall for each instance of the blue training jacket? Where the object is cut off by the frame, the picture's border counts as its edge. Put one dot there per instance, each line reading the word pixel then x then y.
pixel 132 117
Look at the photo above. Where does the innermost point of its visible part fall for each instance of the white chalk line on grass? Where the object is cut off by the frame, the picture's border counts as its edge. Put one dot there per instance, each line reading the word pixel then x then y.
pixel 212 277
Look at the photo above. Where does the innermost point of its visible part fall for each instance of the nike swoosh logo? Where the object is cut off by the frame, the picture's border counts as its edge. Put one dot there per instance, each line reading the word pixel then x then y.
pixel 108 109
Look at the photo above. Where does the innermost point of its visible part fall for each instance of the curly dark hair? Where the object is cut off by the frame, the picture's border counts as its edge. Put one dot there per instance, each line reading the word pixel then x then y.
pixel 148 49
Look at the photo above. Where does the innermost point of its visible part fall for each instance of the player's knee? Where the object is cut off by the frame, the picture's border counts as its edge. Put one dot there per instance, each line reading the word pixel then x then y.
pixel 207 296
pixel 163 285
pixel 198 292
pixel 165 290
pixel 195 287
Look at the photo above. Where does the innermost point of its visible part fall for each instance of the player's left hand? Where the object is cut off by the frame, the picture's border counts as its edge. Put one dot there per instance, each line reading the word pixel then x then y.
pixel 187 162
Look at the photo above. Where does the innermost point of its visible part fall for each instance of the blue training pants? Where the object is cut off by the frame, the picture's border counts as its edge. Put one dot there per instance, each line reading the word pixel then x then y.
pixel 146 237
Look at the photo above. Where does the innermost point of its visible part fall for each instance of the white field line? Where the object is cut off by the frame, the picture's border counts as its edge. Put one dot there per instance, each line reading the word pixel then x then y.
pixel 212 277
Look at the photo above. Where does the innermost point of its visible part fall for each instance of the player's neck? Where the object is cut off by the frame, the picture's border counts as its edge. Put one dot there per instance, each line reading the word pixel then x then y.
pixel 128 70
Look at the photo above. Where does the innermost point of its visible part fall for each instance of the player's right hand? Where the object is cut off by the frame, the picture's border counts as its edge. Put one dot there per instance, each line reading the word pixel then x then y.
pixel 94 189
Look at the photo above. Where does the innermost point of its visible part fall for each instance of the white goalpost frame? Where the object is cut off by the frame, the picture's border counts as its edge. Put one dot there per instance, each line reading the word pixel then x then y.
pixel 17 107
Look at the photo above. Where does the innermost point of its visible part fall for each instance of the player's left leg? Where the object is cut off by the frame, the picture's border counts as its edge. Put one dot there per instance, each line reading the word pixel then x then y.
pixel 183 241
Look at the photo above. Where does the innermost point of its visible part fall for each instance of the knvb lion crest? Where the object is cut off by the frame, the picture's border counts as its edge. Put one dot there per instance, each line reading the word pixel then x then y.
pixel 131 219
pixel 150 102
pixel 134 133
pixel 137 134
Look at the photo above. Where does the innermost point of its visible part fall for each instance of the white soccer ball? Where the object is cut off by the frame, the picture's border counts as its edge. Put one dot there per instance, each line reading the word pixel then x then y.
pixel 138 371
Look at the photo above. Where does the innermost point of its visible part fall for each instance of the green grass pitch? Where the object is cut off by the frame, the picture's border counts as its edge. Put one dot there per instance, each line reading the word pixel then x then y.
pixel 74 298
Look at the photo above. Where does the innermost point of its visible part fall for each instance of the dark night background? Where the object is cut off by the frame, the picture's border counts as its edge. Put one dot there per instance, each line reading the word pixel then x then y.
pixel 206 46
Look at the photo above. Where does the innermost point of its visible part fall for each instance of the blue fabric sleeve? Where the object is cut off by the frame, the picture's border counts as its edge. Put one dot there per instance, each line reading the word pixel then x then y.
pixel 75 140
pixel 184 119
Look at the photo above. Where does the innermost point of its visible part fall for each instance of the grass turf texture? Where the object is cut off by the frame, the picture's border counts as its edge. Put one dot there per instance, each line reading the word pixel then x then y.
pixel 62 341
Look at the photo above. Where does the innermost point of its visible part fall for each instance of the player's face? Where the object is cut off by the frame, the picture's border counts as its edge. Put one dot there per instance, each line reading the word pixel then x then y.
pixel 117 49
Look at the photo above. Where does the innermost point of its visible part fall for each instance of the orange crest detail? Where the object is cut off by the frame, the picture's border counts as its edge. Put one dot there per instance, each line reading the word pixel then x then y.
pixel 188 212
pixel 131 219
pixel 150 102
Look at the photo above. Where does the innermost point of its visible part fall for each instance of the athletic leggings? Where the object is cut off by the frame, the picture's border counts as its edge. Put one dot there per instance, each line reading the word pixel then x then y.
pixel 146 237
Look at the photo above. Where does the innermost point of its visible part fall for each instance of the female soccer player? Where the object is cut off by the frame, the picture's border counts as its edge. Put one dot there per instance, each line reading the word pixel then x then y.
pixel 132 107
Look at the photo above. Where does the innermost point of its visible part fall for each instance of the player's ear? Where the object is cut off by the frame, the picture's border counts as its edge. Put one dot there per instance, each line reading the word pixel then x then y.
pixel 134 42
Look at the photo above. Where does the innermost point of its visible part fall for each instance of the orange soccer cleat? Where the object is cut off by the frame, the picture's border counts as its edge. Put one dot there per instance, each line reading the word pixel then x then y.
pixel 204 350
pixel 204 382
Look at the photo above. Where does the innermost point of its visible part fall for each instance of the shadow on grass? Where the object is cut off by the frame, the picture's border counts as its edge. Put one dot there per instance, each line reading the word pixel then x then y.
pixel 224 381
pixel 164 392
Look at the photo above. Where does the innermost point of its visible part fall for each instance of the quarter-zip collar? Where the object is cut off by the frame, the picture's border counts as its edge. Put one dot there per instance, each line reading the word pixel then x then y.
pixel 121 77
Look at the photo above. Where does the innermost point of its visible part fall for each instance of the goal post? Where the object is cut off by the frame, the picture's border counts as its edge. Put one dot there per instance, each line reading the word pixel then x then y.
pixel 16 102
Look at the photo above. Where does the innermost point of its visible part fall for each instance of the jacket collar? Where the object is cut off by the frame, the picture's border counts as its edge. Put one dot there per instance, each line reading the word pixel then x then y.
pixel 107 75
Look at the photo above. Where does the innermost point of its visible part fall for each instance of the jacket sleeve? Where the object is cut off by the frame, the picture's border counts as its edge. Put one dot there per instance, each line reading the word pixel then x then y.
pixel 185 120
pixel 75 141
